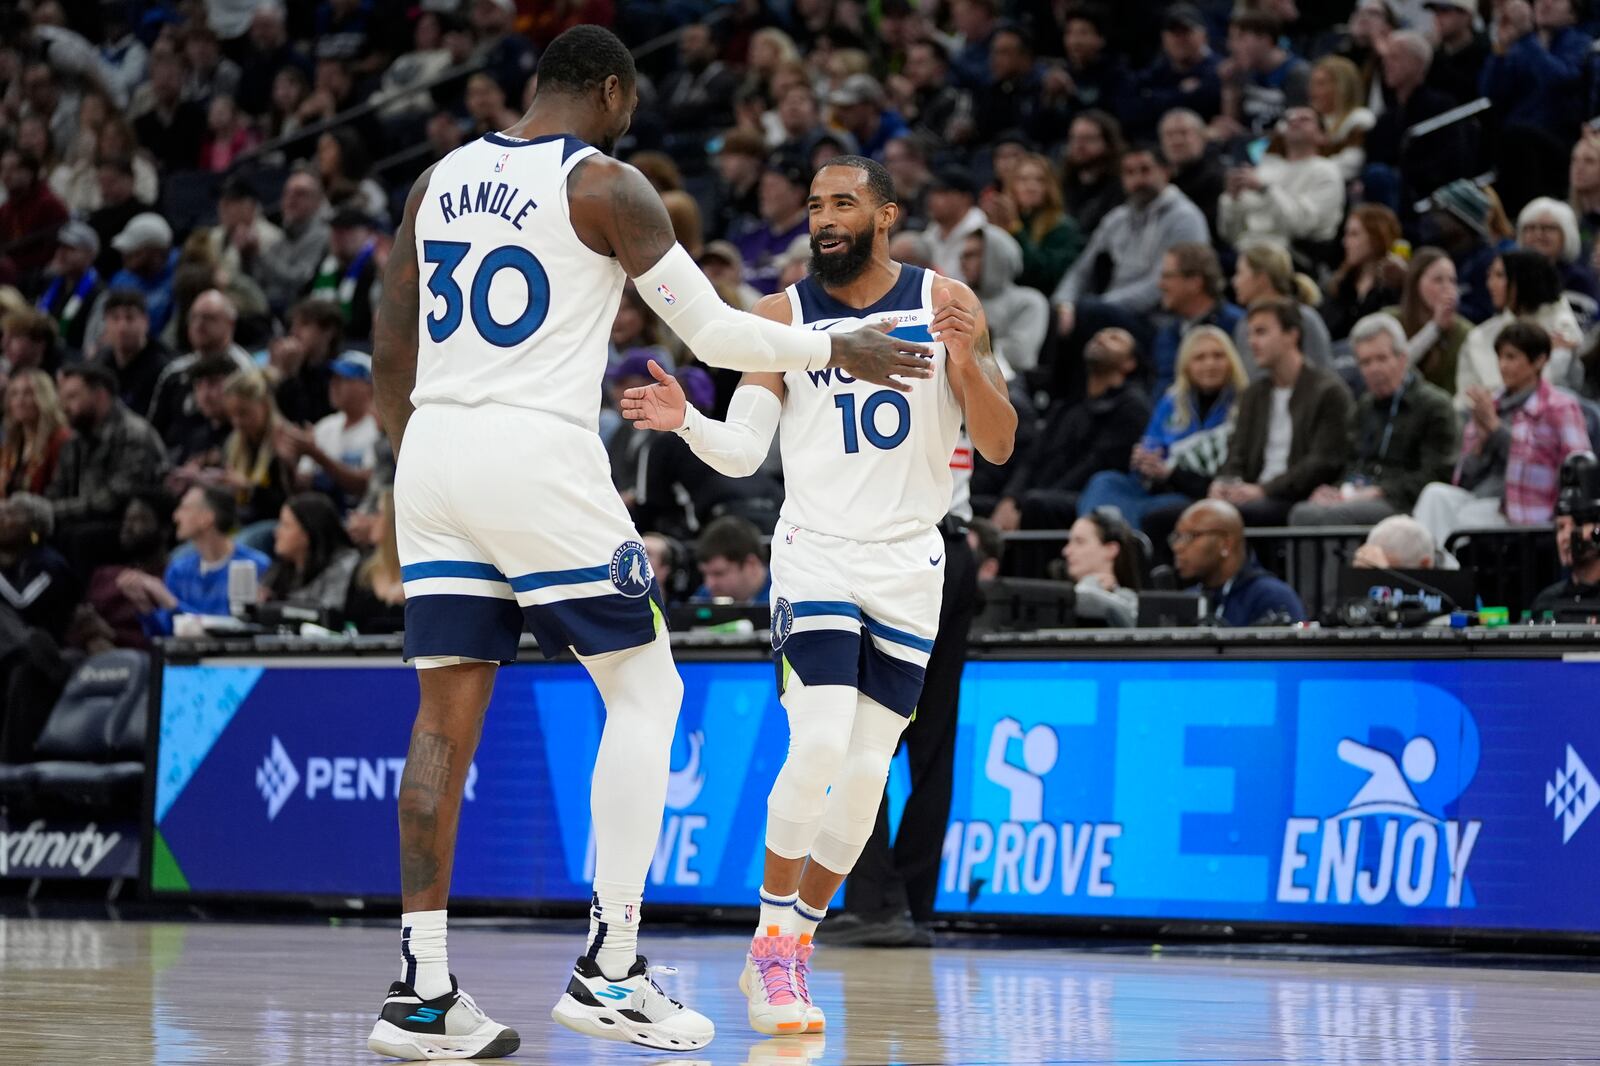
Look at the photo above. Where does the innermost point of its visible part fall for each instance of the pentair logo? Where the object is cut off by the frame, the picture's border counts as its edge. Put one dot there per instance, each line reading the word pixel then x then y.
pixel 1572 795
pixel 276 777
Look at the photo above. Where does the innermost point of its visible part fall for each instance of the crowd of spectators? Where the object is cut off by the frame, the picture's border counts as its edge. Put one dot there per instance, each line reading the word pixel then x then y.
pixel 1236 253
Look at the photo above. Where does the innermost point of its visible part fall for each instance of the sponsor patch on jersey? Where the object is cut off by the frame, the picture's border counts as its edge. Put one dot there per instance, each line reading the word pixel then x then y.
pixel 630 570
pixel 667 295
pixel 782 623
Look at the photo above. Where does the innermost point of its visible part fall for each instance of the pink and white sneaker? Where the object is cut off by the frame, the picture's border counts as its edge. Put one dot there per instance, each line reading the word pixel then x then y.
pixel 768 983
pixel 816 1021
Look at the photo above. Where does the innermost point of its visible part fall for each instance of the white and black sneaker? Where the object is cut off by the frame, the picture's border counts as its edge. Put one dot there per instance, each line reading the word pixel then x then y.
pixel 450 1027
pixel 633 1010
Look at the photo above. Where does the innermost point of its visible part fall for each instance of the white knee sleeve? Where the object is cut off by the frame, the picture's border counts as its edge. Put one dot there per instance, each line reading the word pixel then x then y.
pixel 819 735
pixel 642 693
pixel 853 805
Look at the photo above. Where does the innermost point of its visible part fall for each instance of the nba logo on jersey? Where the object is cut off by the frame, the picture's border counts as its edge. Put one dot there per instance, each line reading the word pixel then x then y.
pixel 500 164
pixel 666 294
pixel 630 570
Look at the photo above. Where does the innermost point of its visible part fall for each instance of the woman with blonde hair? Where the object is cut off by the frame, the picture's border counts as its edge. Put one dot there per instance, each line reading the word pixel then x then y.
pixel 1186 441
pixel 1370 277
pixel 1030 208
pixel 1335 93
pixel 35 430
pixel 770 49
pixel 1265 270
pixel 252 467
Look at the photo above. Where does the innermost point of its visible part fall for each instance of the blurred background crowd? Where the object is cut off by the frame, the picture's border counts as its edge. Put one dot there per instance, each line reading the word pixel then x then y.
pixel 1329 266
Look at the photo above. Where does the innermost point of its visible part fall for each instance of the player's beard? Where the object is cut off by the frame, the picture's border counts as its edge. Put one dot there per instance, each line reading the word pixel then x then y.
pixel 841 268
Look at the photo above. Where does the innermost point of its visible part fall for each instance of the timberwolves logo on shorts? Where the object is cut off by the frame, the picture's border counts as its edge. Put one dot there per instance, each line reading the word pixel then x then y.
pixel 630 570
pixel 782 622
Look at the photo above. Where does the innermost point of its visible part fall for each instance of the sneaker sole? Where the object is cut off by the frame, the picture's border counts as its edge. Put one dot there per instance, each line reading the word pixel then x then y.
pixel 796 1028
pixel 606 1024
pixel 396 1043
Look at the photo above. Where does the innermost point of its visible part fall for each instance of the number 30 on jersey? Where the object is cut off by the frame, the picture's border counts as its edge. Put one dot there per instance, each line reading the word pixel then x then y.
pixel 447 257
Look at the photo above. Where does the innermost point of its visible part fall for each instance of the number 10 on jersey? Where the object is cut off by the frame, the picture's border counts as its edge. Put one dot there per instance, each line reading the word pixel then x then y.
pixel 867 420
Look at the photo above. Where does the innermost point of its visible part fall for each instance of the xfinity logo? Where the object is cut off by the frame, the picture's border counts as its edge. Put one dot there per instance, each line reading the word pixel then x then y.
pixel 341 778
pixel 32 848
pixel 1572 796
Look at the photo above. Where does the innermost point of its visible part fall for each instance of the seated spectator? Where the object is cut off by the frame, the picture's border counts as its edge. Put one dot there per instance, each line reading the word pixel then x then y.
pixel 171 127
pixel 252 468
pixel 785 184
pixel 229 135
pixel 75 284
pixel 1460 49
pixel 377 602
pixel 486 106
pixel 349 276
pixel 286 269
pixel 337 455
pixel 1184 76
pixel 859 109
pixel 36 584
pixel 1298 195
pixel 1209 549
pixel 1514 444
pixel 117 599
pixel 1399 542
pixel 1094 75
pixel 1427 312
pixel 936 105
pixel 1186 441
pixel 1534 76
pixel 313 561
pixel 1291 434
pixel 28 342
pixel 113 455
pixel 1577 542
pixel 116 187
pixel 1549 227
pixel 732 563
pixel 1404 430
pixel 1261 79
pixel 196 437
pixel 1029 208
pixel 30 215
pixel 242 235
pixel 1336 93
pixel 1019 316
pixel 298 364
pixel 1401 167
pixel 134 356
pixel 1078 440
pixel 1102 557
pixel 1469 224
pixel 1583 189
pixel 1126 251
pixel 1371 276
pixel 342 164
pixel 35 431
pixel 953 214
pixel 149 264
pixel 1265 271
pixel 1197 168
pixel 698 96
pixel 210 326
pixel 1191 296
pixel 1091 181
pixel 195 582
pixel 1521 285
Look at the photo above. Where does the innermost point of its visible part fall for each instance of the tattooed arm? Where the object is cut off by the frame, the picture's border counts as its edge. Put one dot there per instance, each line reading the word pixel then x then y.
pixel 394 328
pixel 961 326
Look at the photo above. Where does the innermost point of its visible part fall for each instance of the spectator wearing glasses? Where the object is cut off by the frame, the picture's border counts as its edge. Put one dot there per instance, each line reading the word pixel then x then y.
pixel 1549 226
pixel 1209 549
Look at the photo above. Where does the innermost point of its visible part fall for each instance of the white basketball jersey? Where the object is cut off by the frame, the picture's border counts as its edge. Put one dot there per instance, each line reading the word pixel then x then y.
pixel 515 309
pixel 861 461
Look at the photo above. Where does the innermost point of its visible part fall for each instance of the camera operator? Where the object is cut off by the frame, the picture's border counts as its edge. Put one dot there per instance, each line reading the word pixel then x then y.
pixel 1576 599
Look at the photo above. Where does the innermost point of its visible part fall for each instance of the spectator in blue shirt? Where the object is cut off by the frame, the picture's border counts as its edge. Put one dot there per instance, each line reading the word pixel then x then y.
pixel 149 264
pixel 1191 295
pixel 1208 548
pixel 1184 75
pixel 732 564
pixel 1535 73
pixel 859 109
pixel 785 184
pixel 196 582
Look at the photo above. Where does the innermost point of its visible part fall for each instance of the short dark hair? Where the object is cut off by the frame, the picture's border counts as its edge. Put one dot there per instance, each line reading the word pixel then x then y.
pixel 118 299
pixel 209 367
pixel 91 374
pixel 1285 310
pixel 1151 149
pixel 223 505
pixel 1093 14
pixel 1527 337
pixel 324 314
pixel 933 45
pixel 729 537
pixel 583 57
pixel 1198 260
pixel 879 179
pixel 1531 281
pixel 1257 22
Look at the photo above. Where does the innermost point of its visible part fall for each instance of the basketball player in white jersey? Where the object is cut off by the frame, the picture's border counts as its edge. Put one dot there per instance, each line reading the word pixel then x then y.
pixel 489 352
pixel 857 558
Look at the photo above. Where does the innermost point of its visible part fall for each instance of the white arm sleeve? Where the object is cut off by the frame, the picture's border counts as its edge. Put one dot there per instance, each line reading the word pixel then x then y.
pixel 676 290
pixel 738 446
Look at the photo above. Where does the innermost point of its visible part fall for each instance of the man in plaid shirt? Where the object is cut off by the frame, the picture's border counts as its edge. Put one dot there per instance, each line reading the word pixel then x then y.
pixel 1509 472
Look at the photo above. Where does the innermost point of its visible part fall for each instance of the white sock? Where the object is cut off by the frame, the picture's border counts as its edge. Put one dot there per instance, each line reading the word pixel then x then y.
pixel 613 935
pixel 776 911
pixel 423 964
pixel 806 919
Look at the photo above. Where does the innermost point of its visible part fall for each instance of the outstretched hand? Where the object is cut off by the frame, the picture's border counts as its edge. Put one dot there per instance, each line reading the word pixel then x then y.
pixel 661 406
pixel 870 354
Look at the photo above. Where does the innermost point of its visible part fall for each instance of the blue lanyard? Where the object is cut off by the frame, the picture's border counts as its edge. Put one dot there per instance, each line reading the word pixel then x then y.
pixel 1388 427
pixel 74 303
